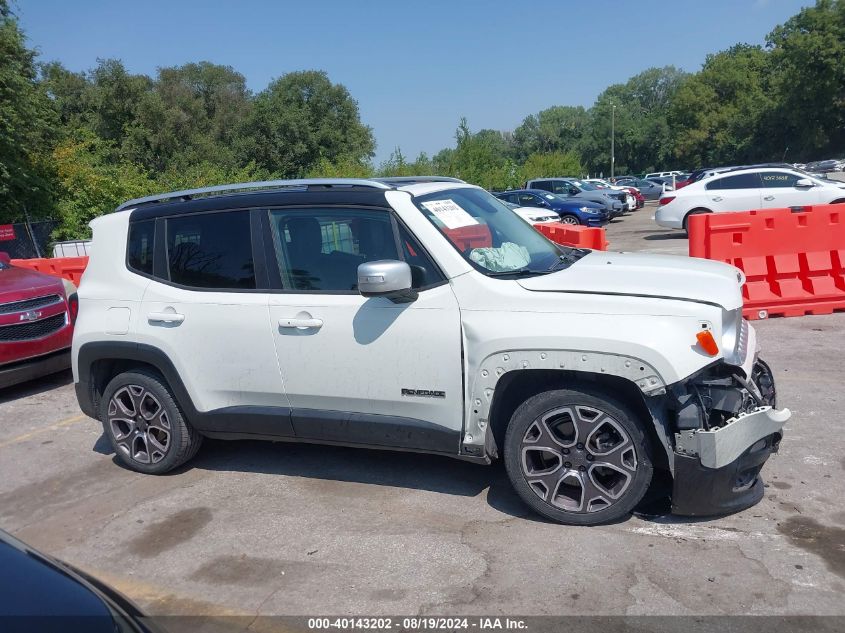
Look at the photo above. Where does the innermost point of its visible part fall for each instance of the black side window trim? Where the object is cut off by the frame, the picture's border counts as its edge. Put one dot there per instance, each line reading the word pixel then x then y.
pixel 161 269
pixel 264 253
pixel 270 248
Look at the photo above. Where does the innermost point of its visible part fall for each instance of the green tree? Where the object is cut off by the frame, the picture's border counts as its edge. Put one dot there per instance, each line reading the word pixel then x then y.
pixel 642 133
pixel 192 114
pixel 550 164
pixel 808 67
pixel 556 129
pixel 70 93
pixel 115 99
pixel 479 159
pixel 343 167
pixel 396 165
pixel 91 183
pixel 717 115
pixel 27 127
pixel 300 119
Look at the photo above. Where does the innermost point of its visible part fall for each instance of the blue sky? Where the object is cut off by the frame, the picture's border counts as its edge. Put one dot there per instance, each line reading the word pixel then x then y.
pixel 415 68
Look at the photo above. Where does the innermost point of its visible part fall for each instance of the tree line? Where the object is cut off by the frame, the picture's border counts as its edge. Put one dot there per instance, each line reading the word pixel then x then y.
pixel 73 145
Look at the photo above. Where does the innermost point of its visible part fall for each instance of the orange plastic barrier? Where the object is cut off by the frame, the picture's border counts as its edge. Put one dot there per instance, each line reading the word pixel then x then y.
pixel 574 235
pixel 467 238
pixel 70 268
pixel 793 259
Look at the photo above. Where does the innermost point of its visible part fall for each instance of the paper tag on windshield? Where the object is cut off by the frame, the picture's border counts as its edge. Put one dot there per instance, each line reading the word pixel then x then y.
pixel 451 214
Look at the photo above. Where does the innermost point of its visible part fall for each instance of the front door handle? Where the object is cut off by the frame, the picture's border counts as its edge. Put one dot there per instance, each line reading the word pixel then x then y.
pixel 165 317
pixel 305 324
pixel 768 197
pixel 717 199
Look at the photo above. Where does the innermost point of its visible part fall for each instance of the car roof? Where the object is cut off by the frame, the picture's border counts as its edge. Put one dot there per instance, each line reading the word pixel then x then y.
pixel 285 192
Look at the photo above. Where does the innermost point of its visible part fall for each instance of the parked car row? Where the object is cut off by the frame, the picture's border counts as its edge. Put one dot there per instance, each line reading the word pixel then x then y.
pixel 824 166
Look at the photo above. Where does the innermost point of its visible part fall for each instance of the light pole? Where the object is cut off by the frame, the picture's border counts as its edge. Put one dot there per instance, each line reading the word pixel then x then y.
pixel 612 140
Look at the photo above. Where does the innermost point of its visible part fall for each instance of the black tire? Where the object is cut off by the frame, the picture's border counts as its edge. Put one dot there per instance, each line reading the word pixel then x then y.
pixel 613 492
pixel 840 201
pixel 569 219
pixel 137 439
pixel 693 212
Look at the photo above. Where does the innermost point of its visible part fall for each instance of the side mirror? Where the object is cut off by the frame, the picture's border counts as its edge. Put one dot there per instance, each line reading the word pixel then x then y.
pixel 573 191
pixel 386 278
pixel 804 182
pixel 4 258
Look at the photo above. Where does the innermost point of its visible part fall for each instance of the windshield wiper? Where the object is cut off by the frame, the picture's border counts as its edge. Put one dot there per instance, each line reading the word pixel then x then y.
pixel 567 259
pixel 519 272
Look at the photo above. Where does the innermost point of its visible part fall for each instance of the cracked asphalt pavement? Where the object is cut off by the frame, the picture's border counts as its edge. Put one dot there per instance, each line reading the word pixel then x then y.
pixel 260 528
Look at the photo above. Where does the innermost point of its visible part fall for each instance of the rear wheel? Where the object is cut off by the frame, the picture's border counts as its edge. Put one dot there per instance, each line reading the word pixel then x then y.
pixel 144 424
pixel 840 201
pixel 569 219
pixel 691 213
pixel 577 457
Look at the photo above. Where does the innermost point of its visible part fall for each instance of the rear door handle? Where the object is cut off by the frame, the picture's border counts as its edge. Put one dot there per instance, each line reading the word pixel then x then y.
pixel 768 197
pixel 165 317
pixel 301 323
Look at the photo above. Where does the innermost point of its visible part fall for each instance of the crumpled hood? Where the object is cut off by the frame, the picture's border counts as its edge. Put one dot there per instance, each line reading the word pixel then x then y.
pixel 646 275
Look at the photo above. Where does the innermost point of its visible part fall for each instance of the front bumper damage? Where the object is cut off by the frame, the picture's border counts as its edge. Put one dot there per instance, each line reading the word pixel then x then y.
pixel 726 425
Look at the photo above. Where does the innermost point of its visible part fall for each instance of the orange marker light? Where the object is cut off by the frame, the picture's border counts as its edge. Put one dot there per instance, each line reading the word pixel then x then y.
pixel 707 342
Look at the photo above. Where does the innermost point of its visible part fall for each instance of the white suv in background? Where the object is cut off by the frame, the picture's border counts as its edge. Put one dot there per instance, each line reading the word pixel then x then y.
pixel 422 315
pixel 745 190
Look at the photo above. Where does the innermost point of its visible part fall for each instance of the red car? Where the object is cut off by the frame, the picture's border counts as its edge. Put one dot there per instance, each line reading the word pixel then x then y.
pixel 637 196
pixel 37 313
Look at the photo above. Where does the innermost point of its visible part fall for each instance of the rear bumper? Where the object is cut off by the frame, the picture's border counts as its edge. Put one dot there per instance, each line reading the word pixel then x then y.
pixel 21 371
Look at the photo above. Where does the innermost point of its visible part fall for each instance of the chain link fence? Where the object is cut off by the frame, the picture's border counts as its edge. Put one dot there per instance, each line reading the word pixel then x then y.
pixel 26 240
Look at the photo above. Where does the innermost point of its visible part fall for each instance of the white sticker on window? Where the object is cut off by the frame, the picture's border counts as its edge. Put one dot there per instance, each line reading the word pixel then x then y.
pixel 451 214
pixel 549 196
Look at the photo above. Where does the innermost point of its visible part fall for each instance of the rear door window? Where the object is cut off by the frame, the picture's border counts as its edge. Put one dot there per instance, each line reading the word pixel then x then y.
pixel 740 181
pixel 211 250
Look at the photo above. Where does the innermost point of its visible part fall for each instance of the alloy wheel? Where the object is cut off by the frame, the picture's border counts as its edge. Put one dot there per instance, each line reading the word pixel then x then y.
pixel 578 459
pixel 140 424
pixel 568 219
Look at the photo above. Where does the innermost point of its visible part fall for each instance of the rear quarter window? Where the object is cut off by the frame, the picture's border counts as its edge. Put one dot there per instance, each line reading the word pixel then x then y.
pixel 139 256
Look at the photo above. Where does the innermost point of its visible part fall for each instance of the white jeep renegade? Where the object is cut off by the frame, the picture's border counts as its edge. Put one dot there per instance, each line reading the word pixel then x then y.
pixel 423 315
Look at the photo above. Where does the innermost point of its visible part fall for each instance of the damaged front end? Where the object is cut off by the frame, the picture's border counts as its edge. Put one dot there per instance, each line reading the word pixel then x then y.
pixel 725 424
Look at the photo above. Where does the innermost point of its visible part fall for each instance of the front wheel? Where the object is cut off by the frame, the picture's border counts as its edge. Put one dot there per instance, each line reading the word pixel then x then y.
pixel 569 219
pixel 577 457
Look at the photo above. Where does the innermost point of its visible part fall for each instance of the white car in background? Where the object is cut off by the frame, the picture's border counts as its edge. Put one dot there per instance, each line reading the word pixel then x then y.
pixel 744 190
pixel 533 215
pixel 630 200
pixel 662 174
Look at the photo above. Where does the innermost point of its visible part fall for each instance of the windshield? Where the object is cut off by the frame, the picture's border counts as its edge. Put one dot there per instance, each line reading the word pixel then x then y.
pixel 585 185
pixel 491 237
